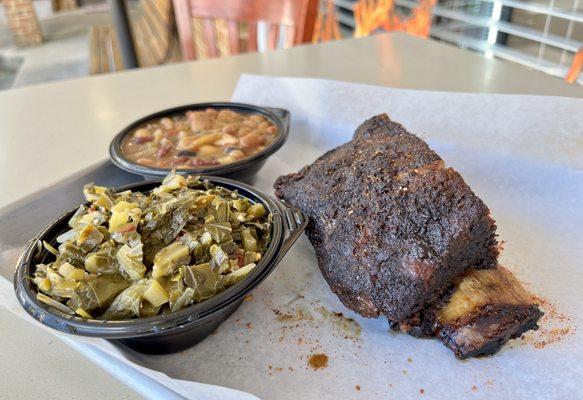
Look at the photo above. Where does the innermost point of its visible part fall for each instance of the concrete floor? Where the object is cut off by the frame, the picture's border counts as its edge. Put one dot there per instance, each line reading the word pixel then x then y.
pixel 63 55
pixel 6 79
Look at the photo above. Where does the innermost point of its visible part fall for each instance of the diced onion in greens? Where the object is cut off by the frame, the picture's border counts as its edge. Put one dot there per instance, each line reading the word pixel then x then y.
pixel 138 255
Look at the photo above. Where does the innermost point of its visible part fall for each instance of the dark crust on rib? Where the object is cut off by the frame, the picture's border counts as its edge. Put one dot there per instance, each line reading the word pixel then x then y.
pixel 490 308
pixel 479 334
pixel 485 333
pixel 391 225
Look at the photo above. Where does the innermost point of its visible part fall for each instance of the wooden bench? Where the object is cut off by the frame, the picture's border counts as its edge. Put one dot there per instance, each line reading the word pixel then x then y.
pixel 154 38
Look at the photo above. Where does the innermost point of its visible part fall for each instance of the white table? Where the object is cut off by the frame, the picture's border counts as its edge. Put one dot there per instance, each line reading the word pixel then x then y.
pixel 50 131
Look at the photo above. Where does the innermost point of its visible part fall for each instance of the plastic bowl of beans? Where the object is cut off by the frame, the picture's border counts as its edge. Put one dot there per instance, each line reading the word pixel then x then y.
pixel 221 139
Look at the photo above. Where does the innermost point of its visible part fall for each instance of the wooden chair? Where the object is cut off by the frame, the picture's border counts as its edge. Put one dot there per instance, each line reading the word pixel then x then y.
pixel 214 28
pixel 23 22
pixel 327 27
pixel 64 5
pixel 153 37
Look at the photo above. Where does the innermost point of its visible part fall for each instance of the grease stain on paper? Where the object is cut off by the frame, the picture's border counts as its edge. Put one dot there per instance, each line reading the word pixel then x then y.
pixel 348 327
pixel 318 361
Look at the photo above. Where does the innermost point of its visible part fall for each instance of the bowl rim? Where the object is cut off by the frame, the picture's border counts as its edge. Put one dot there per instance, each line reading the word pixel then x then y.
pixel 279 116
pixel 140 327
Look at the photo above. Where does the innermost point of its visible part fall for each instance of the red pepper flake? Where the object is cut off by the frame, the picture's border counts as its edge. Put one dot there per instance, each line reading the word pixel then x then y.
pixel 421 391
pixel 357 387
pixel 474 388
pixel 240 258
pixel 127 228
pixel 249 325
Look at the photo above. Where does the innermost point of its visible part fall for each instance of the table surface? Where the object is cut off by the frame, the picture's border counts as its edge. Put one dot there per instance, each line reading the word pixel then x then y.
pixel 59 128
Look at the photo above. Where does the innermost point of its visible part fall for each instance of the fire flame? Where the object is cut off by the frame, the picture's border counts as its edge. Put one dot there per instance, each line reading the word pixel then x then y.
pixel 576 67
pixel 370 15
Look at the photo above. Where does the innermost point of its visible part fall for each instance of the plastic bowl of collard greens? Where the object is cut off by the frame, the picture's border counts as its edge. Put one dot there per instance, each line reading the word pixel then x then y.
pixel 155 265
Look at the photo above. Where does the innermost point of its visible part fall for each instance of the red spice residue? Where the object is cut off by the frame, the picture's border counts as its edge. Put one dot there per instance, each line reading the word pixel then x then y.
pixel 249 325
pixel 318 361
pixel 553 326
pixel 421 391
pixel 357 387
pixel 474 388
pixel 553 336
pixel 294 315
pixel 298 316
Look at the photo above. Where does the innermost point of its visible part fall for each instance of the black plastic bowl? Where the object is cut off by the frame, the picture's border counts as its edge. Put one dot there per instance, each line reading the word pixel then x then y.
pixel 244 170
pixel 174 331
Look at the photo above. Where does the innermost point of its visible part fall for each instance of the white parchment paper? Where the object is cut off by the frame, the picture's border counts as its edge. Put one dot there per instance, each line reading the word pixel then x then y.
pixel 523 155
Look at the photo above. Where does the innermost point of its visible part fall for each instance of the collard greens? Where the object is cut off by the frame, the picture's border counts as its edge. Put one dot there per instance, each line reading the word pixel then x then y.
pixel 133 255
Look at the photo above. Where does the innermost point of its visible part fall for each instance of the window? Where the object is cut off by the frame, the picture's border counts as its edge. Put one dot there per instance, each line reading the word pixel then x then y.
pixel 540 34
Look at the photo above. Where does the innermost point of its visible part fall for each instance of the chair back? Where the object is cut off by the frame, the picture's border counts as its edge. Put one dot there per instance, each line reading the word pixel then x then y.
pixel 214 28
